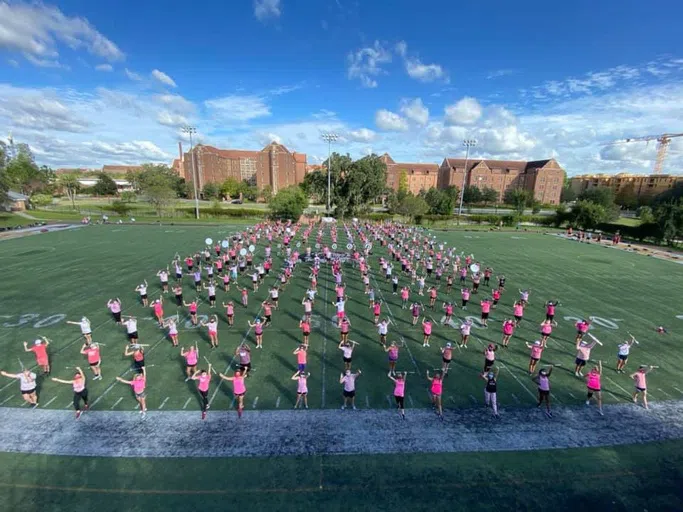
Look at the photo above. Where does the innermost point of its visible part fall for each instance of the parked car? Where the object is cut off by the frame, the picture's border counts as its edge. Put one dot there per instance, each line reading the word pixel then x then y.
pixel 236 201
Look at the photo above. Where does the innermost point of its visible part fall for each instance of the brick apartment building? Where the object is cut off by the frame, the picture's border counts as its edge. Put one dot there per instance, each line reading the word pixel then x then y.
pixel 273 166
pixel 542 177
pixel 641 185
pixel 419 176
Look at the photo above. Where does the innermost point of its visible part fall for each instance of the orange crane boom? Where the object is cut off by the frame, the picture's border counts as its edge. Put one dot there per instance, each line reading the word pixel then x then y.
pixel 663 142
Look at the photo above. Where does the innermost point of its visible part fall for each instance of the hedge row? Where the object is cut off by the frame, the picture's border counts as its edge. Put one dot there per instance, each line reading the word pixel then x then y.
pixel 220 212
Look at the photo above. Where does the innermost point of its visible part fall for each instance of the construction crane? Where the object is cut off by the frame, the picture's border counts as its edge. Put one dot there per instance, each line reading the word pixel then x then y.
pixel 663 142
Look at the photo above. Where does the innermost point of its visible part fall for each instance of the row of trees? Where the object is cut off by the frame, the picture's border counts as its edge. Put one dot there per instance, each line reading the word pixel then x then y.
pixel 19 171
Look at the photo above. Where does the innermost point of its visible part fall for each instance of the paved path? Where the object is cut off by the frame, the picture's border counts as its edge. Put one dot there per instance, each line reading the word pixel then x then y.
pixel 329 431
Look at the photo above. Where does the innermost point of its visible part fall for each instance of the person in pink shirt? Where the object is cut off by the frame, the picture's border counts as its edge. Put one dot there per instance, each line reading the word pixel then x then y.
pixel 543 382
pixel 301 353
pixel 489 357
pixel 258 331
pixel 546 331
pixel 138 384
pixel 465 294
pixel 230 312
pixel 640 381
pixel 581 329
pixel 518 312
pixel 432 297
pixel 426 332
pixel 158 308
pixel 536 352
pixel 392 353
pixel 114 305
pixel 405 294
pixel 191 358
pixel 415 310
pixel 193 311
pixel 485 310
pixel 80 391
pixel 376 309
pixel 204 380
pixel 399 391
pixel 550 311
pixel 508 331
pixel 593 386
pixel 465 330
pixel 583 354
pixel 345 327
pixel 436 390
pixel 212 327
pixel 448 309
pixel 495 295
pixel 301 388
pixel 239 389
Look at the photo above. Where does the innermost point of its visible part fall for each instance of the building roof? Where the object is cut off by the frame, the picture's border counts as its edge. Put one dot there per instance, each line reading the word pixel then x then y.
pixel 227 153
pixel 515 165
pixel 387 159
pixel 300 158
pixel 16 196
pixel 403 166
pixel 65 170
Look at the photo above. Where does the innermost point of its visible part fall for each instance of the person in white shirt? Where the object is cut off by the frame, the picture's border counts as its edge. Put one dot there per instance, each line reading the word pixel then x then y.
pixel 347 353
pixel 348 379
pixel 84 324
pixel 131 329
pixel 142 289
pixel 27 385
pixel 383 330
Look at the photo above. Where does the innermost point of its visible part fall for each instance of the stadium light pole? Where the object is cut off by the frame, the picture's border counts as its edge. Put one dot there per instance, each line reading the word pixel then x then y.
pixel 329 137
pixel 468 143
pixel 190 130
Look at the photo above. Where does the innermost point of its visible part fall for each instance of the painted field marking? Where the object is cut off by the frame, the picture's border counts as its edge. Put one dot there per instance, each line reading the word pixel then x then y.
pixel 412 404
pixel 53 399
pixel 187 402
pixel 367 401
pixel 6 400
pixel 514 397
pixel 681 392
pixel 163 403
pixel 617 385
pixel 277 403
pixel 69 405
pixel 572 395
pixel 253 405
pixel 24 404
pixel 613 395
pixel 665 393
pixel 474 400
pixel 555 398
pixel 117 402
pixel 232 404
pixel 518 381
pixel 137 406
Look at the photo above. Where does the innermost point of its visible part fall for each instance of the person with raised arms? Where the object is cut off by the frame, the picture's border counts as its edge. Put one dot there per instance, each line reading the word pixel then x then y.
pixel 203 378
pixel 258 331
pixel 163 278
pixel 640 381
pixel 436 390
pixel 583 355
pixel 131 329
pixel 239 388
pixel 347 353
pixel 491 390
pixel 243 354
pixel 39 349
pixel 138 354
pixel 86 330
pixel 593 386
pixel 142 290
pixel 622 355
pixel 542 380
pixel 158 307
pixel 92 352
pixel 191 357
pixel 27 385
pixel 114 305
pixel 399 380
pixel 80 391
pixel 348 380
pixel 212 326
pixel 138 384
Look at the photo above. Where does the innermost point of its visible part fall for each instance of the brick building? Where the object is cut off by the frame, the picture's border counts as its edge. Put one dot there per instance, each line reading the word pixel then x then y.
pixel 640 185
pixel 542 177
pixel 419 176
pixel 273 166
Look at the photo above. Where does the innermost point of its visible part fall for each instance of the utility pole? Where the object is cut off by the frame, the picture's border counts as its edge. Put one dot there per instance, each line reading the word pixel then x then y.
pixel 468 143
pixel 329 137
pixel 190 130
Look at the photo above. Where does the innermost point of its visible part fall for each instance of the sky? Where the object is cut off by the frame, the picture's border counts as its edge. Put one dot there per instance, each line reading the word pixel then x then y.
pixel 91 83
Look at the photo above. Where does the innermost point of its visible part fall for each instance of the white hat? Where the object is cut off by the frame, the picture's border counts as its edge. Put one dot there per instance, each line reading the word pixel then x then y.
pixel 37 342
pixel 537 342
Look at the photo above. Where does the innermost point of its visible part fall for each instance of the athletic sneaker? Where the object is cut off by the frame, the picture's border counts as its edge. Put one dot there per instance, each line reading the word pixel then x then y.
pixel 588 402
pixel 343 407
pixel 208 406
pixel 600 412
pixel 78 414
pixel 203 415
pixel 354 407
pixel 35 405
pixel 87 407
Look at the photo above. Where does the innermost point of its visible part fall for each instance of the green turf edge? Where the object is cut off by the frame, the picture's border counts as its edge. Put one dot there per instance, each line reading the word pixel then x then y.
pixel 634 477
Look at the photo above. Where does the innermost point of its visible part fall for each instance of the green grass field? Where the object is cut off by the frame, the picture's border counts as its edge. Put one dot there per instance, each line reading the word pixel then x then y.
pixel 63 276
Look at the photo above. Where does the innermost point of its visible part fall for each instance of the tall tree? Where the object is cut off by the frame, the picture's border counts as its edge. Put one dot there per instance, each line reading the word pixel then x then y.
pixel 567 194
pixel 230 188
pixel 403 183
pixel 210 191
pixel 472 195
pixel 288 203
pixel 70 186
pixel 587 214
pixel 413 207
pixel 105 185
pixel 519 199
pixel 357 184
pixel 440 202
pixel 489 195
pixel 159 183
